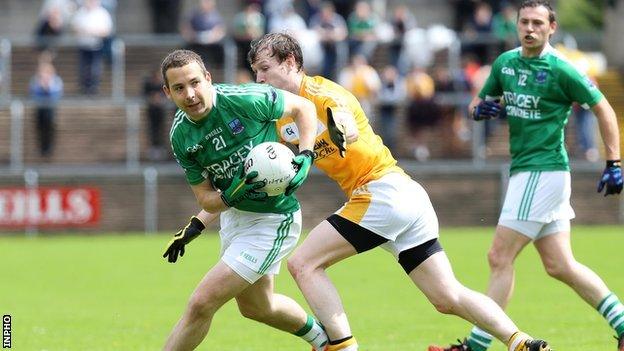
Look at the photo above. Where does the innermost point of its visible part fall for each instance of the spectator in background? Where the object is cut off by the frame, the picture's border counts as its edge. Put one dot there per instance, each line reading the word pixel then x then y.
pixel 204 30
pixel 422 112
pixel 453 121
pixel 391 95
pixel 107 45
pixel 331 29
pixel 46 89
pixel 402 21
pixel 287 20
pixel 92 24
pixel 463 10
pixel 165 16
pixel 504 26
pixel 156 112
pixel 311 8
pixel 363 82
pixel 49 28
pixel 362 23
pixel 249 25
pixel 477 31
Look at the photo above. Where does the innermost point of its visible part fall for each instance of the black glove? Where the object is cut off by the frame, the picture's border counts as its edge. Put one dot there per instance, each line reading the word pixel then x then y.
pixel 486 110
pixel 175 247
pixel 242 187
pixel 337 133
pixel 611 178
pixel 303 162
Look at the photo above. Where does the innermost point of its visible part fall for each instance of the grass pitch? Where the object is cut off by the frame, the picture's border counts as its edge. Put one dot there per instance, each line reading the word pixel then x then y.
pixel 117 293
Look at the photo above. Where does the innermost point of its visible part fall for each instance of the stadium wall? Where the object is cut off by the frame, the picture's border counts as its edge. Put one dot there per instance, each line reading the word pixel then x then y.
pixel 469 197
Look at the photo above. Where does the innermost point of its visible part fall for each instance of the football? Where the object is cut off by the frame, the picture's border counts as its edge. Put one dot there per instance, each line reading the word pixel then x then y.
pixel 273 162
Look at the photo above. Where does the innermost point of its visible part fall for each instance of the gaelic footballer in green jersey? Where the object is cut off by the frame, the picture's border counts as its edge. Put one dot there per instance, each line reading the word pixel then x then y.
pixel 213 148
pixel 538 93
pixel 213 131
pixel 537 87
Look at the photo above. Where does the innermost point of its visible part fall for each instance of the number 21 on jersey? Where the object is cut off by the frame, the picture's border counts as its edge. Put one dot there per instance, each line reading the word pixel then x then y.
pixel 218 142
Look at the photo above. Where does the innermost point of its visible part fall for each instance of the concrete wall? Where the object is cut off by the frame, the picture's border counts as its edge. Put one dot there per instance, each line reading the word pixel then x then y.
pixel 459 199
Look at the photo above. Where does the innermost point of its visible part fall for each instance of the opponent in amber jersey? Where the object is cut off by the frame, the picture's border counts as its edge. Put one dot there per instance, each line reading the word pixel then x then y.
pixel 538 87
pixel 214 129
pixel 368 158
pixel 385 207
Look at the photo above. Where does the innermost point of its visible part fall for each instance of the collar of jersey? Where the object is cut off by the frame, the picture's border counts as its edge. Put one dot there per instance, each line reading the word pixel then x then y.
pixel 547 50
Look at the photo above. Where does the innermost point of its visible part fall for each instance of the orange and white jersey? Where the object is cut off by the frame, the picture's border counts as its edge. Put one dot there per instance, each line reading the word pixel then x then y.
pixel 366 160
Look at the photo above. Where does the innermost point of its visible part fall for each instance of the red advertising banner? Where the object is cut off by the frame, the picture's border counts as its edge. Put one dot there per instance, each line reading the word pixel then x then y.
pixel 49 207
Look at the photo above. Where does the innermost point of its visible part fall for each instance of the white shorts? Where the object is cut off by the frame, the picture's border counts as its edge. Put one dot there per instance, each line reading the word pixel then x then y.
pixel 536 230
pixel 254 244
pixel 394 207
pixel 535 199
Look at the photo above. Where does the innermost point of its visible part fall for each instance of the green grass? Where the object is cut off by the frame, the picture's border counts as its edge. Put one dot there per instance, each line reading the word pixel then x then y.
pixel 117 293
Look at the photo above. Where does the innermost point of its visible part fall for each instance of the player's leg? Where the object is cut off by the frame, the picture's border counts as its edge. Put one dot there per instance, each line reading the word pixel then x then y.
pixel 506 246
pixel 260 303
pixel 322 247
pixel 217 287
pixel 556 253
pixel 435 278
pixel 255 252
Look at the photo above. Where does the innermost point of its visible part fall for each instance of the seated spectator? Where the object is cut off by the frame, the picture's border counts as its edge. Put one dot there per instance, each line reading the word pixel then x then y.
pixel 287 20
pixel 249 25
pixel 504 26
pixel 422 112
pixel 92 24
pixel 203 32
pixel 477 32
pixel 362 23
pixel 49 28
pixel 402 21
pixel 391 95
pixel 165 15
pixel 156 114
pixel 363 81
pixel 451 112
pixel 331 29
pixel 46 89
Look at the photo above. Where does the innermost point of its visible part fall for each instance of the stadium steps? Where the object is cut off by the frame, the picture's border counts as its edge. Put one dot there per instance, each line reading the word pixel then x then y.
pixel 140 61
pixel 85 135
pixel 612 86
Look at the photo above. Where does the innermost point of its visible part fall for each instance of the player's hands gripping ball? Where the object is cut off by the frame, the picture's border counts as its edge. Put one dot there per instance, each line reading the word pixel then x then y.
pixel 486 110
pixel 243 187
pixel 175 247
pixel 303 162
pixel 611 179
pixel 337 133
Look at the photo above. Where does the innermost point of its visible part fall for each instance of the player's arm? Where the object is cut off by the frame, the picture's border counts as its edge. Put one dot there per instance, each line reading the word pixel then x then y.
pixel 191 230
pixel 607 121
pixel 480 109
pixel 611 179
pixel 303 112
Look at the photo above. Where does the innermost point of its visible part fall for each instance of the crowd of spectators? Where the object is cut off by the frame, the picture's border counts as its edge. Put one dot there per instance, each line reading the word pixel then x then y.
pixel 341 39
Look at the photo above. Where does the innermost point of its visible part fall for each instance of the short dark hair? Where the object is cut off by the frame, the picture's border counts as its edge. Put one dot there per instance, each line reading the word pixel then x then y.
pixel 180 58
pixel 281 45
pixel 537 3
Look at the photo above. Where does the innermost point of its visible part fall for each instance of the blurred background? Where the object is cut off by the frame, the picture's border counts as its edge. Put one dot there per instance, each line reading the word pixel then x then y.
pixel 84 123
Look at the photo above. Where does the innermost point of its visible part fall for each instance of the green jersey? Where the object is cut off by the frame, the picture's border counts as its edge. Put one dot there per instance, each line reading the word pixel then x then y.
pixel 242 116
pixel 538 94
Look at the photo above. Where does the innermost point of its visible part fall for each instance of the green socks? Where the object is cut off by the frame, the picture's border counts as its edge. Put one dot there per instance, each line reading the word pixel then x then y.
pixel 613 311
pixel 479 340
